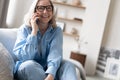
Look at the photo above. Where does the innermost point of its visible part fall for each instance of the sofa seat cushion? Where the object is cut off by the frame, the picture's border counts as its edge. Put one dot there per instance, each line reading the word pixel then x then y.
pixel 6 64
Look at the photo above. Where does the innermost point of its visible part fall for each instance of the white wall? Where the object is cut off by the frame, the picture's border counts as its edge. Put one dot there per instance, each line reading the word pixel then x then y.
pixel 92 32
pixel 111 37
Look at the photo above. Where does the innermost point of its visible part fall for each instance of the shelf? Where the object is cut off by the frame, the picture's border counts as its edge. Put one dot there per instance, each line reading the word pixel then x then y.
pixel 80 6
pixel 69 34
pixel 73 20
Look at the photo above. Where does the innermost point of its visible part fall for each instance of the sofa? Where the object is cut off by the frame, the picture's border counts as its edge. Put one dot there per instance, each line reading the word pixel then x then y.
pixel 7 39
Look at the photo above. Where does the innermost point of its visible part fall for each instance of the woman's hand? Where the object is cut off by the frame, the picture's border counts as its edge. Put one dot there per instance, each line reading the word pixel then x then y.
pixel 49 77
pixel 34 23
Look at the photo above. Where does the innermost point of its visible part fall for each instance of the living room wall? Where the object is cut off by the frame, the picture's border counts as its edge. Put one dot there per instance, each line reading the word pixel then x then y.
pixel 110 45
pixel 92 32
pixel 111 38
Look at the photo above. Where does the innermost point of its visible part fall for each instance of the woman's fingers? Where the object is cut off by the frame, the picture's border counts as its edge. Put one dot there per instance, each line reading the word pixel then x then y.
pixel 34 17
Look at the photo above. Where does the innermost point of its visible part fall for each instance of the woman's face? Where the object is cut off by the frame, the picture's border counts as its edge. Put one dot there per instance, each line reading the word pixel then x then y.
pixel 44 10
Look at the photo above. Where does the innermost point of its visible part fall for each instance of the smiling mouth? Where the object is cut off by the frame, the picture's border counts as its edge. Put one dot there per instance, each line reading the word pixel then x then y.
pixel 45 16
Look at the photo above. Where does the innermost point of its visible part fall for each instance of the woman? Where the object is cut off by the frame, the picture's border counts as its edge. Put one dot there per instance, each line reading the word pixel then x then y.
pixel 39 46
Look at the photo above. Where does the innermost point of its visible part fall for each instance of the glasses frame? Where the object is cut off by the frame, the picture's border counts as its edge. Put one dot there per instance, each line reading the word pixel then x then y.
pixel 48 8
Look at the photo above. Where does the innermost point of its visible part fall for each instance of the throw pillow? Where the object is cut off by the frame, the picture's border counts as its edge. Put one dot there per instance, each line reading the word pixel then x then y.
pixel 6 64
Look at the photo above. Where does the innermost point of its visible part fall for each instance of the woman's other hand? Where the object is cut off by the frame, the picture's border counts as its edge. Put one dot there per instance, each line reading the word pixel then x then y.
pixel 49 77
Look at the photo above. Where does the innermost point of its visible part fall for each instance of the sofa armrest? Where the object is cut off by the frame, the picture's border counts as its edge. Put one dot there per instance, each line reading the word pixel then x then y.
pixel 8 38
pixel 79 67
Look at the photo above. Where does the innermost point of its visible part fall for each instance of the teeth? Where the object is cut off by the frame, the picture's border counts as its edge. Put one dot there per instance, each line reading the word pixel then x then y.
pixel 45 15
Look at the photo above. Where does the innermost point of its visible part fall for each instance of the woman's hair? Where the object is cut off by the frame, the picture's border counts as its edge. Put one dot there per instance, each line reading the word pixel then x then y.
pixel 33 10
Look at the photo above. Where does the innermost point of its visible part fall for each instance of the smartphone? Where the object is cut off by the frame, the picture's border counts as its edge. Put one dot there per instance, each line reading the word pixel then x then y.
pixel 37 20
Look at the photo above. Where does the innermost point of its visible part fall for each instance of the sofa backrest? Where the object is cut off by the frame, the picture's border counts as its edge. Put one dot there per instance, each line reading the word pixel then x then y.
pixel 7 38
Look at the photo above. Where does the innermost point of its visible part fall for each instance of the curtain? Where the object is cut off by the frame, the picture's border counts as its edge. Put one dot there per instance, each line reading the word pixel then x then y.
pixel 16 12
pixel 3 12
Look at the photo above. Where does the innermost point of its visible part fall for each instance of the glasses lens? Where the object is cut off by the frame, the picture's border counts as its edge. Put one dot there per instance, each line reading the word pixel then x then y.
pixel 42 8
pixel 49 8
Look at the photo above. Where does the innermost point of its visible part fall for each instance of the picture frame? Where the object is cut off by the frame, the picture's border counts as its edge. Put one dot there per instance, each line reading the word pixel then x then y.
pixel 61 25
pixel 112 69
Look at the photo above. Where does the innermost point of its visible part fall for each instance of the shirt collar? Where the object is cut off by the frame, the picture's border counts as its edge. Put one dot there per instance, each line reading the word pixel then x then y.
pixel 50 28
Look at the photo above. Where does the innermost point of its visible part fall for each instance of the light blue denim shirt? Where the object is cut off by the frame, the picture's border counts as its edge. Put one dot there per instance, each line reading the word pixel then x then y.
pixel 45 49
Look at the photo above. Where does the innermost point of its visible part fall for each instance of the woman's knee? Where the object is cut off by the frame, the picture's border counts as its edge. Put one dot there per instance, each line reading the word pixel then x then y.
pixel 67 64
pixel 66 71
pixel 30 64
pixel 30 70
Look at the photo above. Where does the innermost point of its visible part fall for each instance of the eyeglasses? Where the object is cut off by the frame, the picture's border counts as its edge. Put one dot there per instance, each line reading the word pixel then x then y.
pixel 42 8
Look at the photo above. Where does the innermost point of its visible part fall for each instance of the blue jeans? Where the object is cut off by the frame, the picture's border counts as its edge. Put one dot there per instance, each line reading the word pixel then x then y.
pixel 31 70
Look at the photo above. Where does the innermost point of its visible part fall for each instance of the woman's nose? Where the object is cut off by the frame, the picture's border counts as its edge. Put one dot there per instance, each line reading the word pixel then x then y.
pixel 45 10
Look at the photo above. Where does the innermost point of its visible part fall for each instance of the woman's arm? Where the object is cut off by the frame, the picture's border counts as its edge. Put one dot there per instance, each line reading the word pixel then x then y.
pixel 55 53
